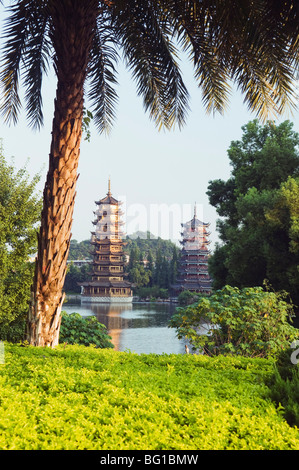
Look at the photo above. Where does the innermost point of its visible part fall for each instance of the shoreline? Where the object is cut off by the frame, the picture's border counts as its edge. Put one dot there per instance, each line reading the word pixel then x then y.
pixel 77 298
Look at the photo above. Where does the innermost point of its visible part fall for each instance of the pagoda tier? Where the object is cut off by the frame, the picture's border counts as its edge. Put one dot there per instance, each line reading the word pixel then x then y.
pixel 107 282
pixel 193 274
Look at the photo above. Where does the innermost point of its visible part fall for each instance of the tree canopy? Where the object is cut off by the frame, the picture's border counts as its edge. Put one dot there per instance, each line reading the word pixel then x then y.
pixel 259 209
pixel 20 207
pixel 252 43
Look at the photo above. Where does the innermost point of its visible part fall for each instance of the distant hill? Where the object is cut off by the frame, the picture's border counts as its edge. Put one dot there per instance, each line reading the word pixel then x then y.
pixel 145 241
pixel 80 250
pixel 143 235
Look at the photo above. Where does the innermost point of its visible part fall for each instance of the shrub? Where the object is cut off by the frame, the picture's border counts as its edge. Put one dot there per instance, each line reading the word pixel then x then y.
pixel 284 386
pixel 249 322
pixel 82 398
pixel 76 329
pixel 152 293
pixel 186 298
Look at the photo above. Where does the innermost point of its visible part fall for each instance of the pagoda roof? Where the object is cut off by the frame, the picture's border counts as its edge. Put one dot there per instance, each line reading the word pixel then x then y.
pixel 107 241
pixel 197 250
pixel 108 199
pixel 199 253
pixel 106 284
pixel 194 222
pixel 193 272
pixel 107 262
pixel 107 251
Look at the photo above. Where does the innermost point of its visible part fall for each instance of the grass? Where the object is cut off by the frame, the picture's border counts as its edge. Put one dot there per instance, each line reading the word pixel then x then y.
pixel 78 397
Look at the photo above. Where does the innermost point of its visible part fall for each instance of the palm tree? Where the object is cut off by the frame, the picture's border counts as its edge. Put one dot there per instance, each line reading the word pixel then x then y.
pixel 251 42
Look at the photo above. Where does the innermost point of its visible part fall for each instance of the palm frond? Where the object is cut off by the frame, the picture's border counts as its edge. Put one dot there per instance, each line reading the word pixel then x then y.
pixel 25 56
pixel 102 76
pixel 36 61
pixel 16 30
pixel 145 36
pixel 253 43
pixel 264 66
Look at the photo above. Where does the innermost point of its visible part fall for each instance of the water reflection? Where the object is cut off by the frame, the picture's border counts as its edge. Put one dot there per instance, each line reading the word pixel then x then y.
pixel 140 328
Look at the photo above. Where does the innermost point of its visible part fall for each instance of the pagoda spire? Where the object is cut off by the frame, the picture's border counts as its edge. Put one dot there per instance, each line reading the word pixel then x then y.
pixel 109 187
pixel 195 211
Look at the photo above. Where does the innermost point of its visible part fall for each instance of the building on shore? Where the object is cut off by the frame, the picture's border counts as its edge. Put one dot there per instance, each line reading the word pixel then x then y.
pixel 107 282
pixel 193 274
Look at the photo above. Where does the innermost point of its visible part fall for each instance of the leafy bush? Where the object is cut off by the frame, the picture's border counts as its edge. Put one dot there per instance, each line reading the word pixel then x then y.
pixel 248 322
pixel 20 207
pixel 284 387
pixel 15 331
pixel 152 293
pixel 186 298
pixel 77 397
pixel 76 329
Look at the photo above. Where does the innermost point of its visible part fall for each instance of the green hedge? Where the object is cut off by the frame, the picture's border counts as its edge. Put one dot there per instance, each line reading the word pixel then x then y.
pixel 76 397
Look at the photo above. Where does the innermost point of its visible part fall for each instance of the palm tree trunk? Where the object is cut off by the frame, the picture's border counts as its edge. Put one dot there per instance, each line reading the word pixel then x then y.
pixel 72 31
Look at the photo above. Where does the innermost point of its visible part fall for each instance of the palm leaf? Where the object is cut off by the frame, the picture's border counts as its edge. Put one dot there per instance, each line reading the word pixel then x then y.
pixel 16 29
pixel 36 57
pixel 102 77
pixel 254 43
pixel 25 52
pixel 144 35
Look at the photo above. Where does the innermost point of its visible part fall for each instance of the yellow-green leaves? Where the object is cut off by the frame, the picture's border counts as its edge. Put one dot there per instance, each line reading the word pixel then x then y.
pixel 85 398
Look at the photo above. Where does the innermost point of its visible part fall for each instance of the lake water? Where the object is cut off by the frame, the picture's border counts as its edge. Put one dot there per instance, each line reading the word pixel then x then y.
pixel 138 327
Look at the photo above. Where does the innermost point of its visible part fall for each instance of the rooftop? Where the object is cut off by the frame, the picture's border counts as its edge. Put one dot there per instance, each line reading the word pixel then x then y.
pixel 109 199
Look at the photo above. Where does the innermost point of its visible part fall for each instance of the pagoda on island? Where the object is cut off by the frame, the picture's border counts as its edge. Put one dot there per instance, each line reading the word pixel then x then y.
pixel 107 278
pixel 193 272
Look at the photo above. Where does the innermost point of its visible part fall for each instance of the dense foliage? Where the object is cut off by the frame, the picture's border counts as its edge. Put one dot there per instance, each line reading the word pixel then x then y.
pixel 259 209
pixel 284 384
pixel 187 297
pixel 75 397
pixel 152 262
pixel 20 208
pixel 79 250
pixel 76 329
pixel 248 322
pixel 75 275
pixel 152 293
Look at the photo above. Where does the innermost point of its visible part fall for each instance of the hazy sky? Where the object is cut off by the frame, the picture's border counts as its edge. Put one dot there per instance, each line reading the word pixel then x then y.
pixel 158 175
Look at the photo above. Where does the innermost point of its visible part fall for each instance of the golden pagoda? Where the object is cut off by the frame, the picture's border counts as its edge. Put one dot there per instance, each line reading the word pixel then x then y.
pixel 107 278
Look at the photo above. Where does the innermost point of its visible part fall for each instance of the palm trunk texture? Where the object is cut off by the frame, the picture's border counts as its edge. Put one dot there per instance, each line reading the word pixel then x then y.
pixel 73 24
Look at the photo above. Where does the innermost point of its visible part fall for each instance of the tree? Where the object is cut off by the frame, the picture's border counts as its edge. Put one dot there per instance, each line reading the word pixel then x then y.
pixel 79 250
pixel 139 276
pixel 158 273
pixel 283 217
pixel 134 258
pixel 74 276
pixel 253 43
pixel 173 266
pixel 259 209
pixel 248 322
pixel 20 208
pixel 150 267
